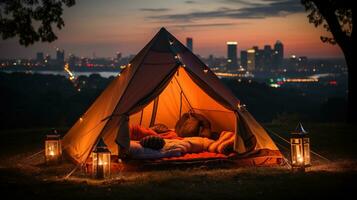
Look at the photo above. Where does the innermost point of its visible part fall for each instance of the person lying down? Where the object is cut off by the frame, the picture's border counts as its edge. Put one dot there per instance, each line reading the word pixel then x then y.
pixel 192 134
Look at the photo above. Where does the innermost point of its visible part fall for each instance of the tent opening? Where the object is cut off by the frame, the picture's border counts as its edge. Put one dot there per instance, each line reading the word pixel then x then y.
pixel 183 95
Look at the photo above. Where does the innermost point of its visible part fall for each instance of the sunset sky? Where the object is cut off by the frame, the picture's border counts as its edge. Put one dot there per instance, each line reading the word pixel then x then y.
pixel 107 26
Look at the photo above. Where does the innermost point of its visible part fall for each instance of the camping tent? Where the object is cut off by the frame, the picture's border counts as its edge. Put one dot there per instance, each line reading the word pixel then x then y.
pixel 163 81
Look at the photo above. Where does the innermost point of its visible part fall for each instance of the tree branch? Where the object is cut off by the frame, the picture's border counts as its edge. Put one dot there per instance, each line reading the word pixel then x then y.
pixel 328 12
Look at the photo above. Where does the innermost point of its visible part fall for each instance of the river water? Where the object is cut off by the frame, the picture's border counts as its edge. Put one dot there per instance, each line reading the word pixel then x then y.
pixel 63 73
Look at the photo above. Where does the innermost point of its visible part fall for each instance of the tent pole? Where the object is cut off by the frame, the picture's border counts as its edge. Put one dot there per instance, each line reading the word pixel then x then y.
pixel 154 111
pixel 141 116
pixel 180 104
pixel 184 95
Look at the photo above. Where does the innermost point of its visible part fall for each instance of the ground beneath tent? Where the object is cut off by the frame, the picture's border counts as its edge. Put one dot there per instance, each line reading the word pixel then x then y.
pixel 30 179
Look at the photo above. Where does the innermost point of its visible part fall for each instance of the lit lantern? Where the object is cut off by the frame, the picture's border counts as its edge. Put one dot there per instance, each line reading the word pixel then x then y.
pixel 53 149
pixel 101 161
pixel 300 148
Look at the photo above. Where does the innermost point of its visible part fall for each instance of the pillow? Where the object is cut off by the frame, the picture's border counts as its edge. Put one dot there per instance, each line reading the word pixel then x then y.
pixel 187 126
pixel 152 142
pixel 193 124
pixel 160 128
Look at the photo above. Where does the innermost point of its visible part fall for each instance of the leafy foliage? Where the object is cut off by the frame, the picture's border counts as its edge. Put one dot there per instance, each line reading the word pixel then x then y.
pixel 31 20
pixel 322 12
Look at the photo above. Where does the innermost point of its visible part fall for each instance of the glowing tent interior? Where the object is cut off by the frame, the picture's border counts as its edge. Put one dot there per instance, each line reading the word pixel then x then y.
pixel 163 81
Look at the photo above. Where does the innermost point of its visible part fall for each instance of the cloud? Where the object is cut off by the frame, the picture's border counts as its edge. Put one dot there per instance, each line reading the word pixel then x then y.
pixel 271 8
pixel 155 9
pixel 242 2
pixel 203 25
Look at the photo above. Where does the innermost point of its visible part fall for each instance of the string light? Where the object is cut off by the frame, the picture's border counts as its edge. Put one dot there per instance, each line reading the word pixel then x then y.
pixel 241 106
pixel 205 70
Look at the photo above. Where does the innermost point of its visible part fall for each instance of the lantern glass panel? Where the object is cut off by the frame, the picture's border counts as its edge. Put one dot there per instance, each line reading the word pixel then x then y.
pixel 101 164
pixel 307 151
pixel 297 158
pixel 53 150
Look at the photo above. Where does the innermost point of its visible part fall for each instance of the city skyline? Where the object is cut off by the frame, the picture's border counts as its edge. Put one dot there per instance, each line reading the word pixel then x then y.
pixel 104 29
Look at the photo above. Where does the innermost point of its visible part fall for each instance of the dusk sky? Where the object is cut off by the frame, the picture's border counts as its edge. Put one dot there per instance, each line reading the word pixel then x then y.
pixel 108 26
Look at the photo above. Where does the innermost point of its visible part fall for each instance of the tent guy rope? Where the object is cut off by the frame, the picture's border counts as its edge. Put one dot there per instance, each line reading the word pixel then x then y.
pixel 283 139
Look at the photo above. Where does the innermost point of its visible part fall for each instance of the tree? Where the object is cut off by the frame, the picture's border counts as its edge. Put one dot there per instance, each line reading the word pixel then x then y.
pixel 31 20
pixel 337 17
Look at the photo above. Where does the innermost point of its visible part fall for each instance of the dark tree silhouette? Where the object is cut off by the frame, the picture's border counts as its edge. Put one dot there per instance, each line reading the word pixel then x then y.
pixel 337 17
pixel 31 20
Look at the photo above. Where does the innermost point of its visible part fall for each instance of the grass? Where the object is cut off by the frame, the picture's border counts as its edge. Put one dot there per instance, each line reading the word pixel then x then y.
pixel 323 180
pixel 334 141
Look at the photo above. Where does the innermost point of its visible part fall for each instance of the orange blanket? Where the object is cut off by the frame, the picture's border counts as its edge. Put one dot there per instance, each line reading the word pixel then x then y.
pixel 137 133
pixel 224 143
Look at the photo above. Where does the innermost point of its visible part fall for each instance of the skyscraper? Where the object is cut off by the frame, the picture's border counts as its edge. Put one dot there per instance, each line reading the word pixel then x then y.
pixel 60 57
pixel 189 43
pixel 243 59
pixel 72 61
pixel 278 56
pixel 251 60
pixel 39 57
pixel 118 56
pixel 267 57
pixel 258 60
pixel 232 60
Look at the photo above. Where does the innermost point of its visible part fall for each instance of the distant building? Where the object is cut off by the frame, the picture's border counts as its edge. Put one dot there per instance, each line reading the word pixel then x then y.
pixel 60 57
pixel 40 58
pixel 118 56
pixel 258 60
pixel 189 43
pixel 243 59
pixel 72 59
pixel 251 60
pixel 47 59
pixel 267 57
pixel 84 62
pixel 297 63
pixel 211 60
pixel 303 62
pixel 232 60
pixel 278 55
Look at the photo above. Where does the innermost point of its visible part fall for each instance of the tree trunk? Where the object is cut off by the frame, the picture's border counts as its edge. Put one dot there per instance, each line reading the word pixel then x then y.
pixel 352 77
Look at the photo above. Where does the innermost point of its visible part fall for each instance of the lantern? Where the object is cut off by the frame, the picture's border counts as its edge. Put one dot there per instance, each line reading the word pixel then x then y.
pixel 53 149
pixel 101 161
pixel 300 148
